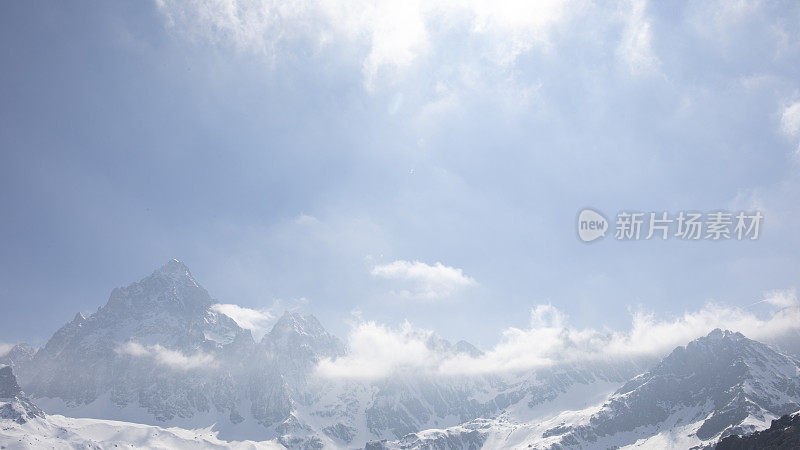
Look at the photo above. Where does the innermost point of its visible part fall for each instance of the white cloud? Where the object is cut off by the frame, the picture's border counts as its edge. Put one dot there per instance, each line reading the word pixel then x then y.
pixel 376 350
pixel 635 48
pixel 790 121
pixel 388 36
pixel 424 281
pixel 550 341
pixel 781 298
pixel 257 321
pixel 443 54
pixel 166 357
pixel 722 20
pixel 5 348
pixel 306 219
pixel 132 349
pixel 515 27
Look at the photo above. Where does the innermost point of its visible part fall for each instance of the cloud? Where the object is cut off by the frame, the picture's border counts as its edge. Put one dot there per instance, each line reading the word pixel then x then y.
pixel 424 281
pixel 257 321
pixel 790 121
pixel 377 350
pixel 166 357
pixel 391 39
pixel 5 348
pixel 781 298
pixel 394 32
pixel 635 48
pixel 550 341
pixel 306 219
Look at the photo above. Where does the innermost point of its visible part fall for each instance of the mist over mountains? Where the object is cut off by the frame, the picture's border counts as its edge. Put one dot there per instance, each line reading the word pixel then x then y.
pixel 159 353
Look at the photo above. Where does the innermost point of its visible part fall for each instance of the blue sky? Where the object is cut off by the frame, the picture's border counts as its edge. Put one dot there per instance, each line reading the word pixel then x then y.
pixel 327 156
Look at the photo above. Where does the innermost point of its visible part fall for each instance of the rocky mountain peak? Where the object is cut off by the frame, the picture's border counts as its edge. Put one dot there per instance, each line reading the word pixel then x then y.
pixel 14 405
pixel 721 351
pixel 296 323
pixel 173 273
pixel 171 287
pixel 79 319
pixel 303 333
pixel 467 348
pixel 717 337
pixel 174 269
pixel 728 380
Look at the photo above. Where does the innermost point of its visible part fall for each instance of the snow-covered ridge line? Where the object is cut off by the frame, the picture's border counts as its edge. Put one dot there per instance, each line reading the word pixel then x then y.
pixel 162 353
pixel 24 425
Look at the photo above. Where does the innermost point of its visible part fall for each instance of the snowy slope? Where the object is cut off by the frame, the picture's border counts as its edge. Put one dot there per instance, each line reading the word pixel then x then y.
pixel 782 433
pixel 56 431
pixel 157 353
pixel 718 385
pixel 24 425
pixel 160 355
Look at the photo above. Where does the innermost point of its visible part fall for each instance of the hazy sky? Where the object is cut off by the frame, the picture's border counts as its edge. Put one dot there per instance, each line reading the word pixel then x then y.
pixel 420 161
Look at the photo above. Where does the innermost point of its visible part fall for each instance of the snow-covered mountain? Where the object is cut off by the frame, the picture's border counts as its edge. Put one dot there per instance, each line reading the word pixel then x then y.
pixel 782 433
pixel 14 405
pixel 715 386
pixel 159 354
pixel 24 426
pixel 18 356
pixel 155 344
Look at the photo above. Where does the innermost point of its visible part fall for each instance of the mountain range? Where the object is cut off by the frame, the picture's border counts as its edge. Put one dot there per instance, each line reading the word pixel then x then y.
pixel 159 358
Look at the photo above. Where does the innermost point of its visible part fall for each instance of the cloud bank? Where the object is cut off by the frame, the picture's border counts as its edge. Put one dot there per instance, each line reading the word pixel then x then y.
pixel 378 351
pixel 422 280
pixel 258 321
pixel 389 38
pixel 781 298
pixel 166 357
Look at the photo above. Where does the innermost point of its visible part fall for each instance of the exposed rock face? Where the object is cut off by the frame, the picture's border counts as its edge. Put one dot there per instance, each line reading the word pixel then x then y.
pixel 18 356
pixel 160 346
pixel 8 383
pixel 156 343
pixel 719 385
pixel 14 405
pixel 783 434
pixel 158 350
pixel 724 378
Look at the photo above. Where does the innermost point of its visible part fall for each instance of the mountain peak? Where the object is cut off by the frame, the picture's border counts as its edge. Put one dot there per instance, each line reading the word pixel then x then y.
pixel 719 333
pixel 465 347
pixel 171 288
pixel 719 342
pixel 295 330
pixel 296 323
pixel 173 272
pixel 173 268
pixel 16 406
